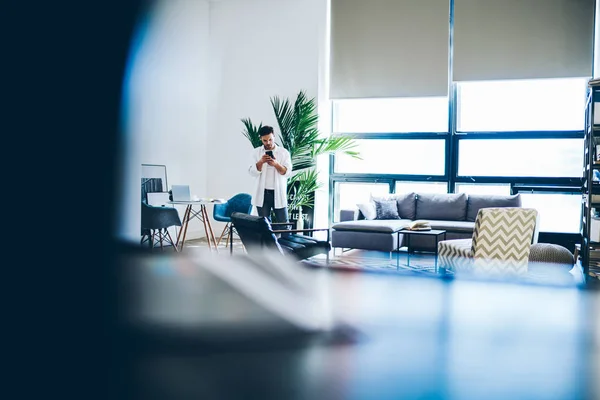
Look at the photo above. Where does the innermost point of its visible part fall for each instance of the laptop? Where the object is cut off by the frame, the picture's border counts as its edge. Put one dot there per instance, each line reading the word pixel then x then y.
pixel 181 193
pixel 158 199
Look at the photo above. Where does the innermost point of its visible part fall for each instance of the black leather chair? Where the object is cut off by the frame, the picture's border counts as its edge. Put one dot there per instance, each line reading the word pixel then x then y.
pixel 156 221
pixel 257 233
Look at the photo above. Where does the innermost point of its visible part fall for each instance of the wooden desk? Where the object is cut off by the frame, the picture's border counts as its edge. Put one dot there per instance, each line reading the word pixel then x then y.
pixel 202 215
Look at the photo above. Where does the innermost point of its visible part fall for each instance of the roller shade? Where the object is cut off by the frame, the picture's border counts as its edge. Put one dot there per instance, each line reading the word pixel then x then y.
pixel 522 39
pixel 389 48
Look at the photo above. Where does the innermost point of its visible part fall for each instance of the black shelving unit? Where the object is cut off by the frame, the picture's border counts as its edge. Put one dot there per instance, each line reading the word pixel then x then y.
pixel 590 250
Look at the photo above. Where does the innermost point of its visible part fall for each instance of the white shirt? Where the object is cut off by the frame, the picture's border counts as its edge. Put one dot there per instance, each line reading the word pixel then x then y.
pixel 270 176
pixel 282 156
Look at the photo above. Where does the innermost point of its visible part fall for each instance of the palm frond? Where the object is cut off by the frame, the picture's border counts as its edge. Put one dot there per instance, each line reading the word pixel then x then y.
pixel 336 144
pixel 251 132
pixel 301 189
pixel 284 114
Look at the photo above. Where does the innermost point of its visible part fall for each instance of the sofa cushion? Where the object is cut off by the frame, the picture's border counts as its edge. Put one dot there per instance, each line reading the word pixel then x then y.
pixel 386 209
pixel 406 203
pixel 368 210
pixel 376 225
pixel 452 226
pixel 477 201
pixel 444 206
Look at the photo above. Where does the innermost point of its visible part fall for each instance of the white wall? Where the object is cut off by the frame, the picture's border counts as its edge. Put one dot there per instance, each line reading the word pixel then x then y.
pixel 258 49
pixel 202 66
pixel 167 98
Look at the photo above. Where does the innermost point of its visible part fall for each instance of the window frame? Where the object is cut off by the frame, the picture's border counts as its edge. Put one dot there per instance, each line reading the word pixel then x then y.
pixel 452 137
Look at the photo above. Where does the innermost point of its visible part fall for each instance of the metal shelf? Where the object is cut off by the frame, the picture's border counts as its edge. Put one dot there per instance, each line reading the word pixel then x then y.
pixel 589 186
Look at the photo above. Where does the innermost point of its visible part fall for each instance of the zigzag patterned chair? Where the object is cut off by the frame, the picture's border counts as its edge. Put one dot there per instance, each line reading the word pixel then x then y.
pixel 501 243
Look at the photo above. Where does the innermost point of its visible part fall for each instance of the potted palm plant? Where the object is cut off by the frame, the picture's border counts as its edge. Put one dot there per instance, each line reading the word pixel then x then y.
pixel 299 134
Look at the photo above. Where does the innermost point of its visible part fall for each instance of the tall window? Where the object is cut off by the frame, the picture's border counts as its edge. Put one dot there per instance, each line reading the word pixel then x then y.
pixel 424 114
pixel 390 156
pixel 521 105
pixel 512 114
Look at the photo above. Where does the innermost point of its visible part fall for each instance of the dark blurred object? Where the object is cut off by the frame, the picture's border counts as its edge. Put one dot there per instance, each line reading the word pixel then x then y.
pixel 241 202
pixel 155 224
pixel 211 301
pixel 256 233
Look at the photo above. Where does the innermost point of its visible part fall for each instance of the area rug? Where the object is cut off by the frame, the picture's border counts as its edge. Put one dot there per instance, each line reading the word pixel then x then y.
pixel 373 264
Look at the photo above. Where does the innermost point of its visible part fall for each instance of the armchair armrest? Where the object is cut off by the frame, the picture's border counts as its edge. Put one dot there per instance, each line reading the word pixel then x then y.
pixel 348 215
pixel 300 230
pixel 304 230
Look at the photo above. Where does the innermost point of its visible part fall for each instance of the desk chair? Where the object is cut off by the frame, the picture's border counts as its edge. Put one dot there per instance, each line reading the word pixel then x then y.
pixel 156 221
pixel 257 233
pixel 241 202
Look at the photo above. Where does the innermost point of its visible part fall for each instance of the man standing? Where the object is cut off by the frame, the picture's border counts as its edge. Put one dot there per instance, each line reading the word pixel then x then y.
pixel 272 166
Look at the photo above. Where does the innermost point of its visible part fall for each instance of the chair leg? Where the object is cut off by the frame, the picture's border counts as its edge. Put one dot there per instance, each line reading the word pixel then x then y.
pixel 223 233
pixel 230 239
pixel 171 241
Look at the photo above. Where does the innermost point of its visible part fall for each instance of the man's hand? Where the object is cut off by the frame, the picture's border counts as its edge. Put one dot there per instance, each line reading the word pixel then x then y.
pixel 264 159
pixel 280 168
pixel 271 161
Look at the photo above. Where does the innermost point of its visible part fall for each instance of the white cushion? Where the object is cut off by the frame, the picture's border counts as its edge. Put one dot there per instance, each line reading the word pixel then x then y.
pixel 368 210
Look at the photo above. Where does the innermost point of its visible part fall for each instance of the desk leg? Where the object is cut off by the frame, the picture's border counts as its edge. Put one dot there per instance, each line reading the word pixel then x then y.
pixel 202 218
pixel 184 225
pixel 435 268
pixel 209 233
pixel 398 251
pixel 408 250
pixel 186 217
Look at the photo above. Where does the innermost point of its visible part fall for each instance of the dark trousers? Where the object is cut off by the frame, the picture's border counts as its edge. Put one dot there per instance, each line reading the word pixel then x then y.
pixel 281 214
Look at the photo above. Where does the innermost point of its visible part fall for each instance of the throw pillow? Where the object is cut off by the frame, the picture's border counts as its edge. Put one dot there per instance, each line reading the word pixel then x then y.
pixel 387 209
pixel 406 203
pixel 475 202
pixel 368 210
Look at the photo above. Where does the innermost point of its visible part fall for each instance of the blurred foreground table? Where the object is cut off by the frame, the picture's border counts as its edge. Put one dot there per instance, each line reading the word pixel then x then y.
pixel 404 337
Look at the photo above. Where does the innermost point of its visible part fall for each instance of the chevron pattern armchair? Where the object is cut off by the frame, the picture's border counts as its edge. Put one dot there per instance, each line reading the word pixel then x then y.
pixel 501 243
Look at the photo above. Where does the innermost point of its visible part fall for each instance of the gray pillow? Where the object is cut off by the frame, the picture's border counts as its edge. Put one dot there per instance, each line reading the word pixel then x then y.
pixel 477 201
pixel 444 206
pixel 386 209
pixel 406 203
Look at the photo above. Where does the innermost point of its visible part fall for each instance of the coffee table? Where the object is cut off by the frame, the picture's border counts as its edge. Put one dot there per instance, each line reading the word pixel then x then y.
pixel 437 233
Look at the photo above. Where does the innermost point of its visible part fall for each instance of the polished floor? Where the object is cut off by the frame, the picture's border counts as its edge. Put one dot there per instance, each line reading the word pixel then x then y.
pixel 420 263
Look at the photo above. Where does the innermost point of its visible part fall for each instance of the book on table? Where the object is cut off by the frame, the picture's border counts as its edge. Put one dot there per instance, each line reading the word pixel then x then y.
pixel 419 225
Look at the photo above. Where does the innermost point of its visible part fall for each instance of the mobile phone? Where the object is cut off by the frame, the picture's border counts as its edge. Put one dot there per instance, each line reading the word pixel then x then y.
pixel 270 153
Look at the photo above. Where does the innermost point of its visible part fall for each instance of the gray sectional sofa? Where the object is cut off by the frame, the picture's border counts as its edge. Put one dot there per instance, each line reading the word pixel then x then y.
pixel 454 213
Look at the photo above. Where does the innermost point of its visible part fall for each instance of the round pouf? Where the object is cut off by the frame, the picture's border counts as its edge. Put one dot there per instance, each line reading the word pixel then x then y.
pixel 550 253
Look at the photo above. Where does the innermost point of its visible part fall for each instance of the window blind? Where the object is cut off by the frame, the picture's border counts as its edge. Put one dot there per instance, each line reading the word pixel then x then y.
pixel 522 39
pixel 389 48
